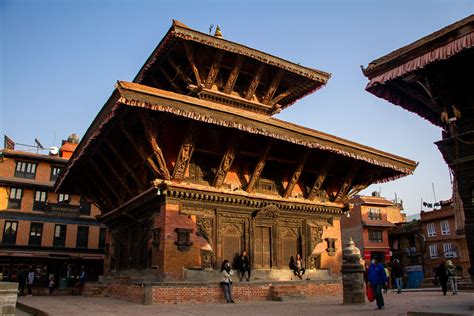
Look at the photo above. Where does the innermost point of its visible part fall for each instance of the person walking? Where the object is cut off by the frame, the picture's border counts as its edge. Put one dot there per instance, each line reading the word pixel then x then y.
pixel 30 280
pixel 451 270
pixel 22 276
pixel 397 274
pixel 51 285
pixel 226 281
pixel 82 280
pixel 441 275
pixel 377 280
pixel 243 265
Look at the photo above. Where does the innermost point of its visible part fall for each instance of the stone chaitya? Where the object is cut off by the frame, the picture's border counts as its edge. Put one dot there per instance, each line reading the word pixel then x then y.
pixel 190 168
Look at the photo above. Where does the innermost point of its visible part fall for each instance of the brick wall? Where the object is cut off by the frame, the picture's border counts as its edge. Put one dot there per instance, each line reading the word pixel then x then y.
pixel 127 292
pixel 175 259
pixel 186 294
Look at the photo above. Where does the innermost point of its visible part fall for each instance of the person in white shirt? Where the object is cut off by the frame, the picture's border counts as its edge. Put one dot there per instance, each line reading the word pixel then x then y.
pixel 226 281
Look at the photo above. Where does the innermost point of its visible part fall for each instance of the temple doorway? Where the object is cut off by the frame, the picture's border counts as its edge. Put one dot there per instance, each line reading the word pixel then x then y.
pixel 262 250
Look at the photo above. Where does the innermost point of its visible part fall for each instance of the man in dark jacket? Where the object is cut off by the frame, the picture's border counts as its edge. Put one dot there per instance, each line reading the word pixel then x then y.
pixel 377 280
pixel 22 276
pixel 441 275
pixel 243 264
pixel 397 274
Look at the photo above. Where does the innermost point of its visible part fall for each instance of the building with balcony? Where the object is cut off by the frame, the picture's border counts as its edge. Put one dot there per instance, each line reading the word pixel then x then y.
pixel 368 224
pixel 55 233
pixel 443 240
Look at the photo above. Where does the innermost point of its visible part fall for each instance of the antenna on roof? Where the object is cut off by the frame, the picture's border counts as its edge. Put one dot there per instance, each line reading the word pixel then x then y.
pixel 38 145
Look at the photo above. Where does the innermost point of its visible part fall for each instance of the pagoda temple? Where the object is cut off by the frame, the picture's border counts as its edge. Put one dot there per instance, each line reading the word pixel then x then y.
pixel 189 166
pixel 432 77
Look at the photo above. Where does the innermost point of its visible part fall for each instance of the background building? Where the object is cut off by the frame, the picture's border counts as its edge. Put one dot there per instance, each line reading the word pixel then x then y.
pixel 443 240
pixel 406 243
pixel 368 224
pixel 432 77
pixel 56 233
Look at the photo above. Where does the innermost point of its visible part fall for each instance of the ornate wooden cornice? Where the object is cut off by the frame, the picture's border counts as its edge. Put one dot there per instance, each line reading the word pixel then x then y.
pixel 251 202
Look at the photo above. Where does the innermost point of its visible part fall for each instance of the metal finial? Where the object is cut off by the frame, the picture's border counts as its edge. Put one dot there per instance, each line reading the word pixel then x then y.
pixel 218 32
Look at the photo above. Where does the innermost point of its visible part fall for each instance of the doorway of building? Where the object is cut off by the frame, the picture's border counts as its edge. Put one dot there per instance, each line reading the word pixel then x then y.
pixel 262 250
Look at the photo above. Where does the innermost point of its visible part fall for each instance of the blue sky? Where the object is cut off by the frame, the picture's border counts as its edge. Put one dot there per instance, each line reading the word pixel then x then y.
pixel 61 59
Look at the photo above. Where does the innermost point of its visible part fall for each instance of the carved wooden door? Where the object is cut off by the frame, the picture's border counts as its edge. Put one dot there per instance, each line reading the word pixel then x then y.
pixel 262 251
pixel 231 243
pixel 289 245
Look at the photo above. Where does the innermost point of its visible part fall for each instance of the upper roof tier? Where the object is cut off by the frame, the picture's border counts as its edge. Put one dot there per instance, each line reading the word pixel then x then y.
pixel 215 69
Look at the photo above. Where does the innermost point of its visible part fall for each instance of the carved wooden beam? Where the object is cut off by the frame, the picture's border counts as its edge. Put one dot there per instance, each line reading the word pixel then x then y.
pixel 226 162
pixel 259 167
pixel 296 175
pixel 150 134
pixel 125 165
pixel 92 195
pixel 356 189
pixel 273 87
pixel 190 55
pixel 185 153
pixel 151 165
pixel 342 193
pixel 283 95
pixel 318 184
pixel 111 188
pixel 168 77
pixel 255 81
pixel 105 196
pixel 114 172
pixel 234 74
pixel 181 74
pixel 216 65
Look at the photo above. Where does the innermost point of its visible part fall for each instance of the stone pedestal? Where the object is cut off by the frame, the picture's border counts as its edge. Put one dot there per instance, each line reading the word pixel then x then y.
pixel 352 275
pixel 8 296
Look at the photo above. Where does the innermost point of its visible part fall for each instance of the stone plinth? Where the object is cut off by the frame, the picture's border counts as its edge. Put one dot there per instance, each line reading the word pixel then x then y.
pixel 8 295
pixel 352 275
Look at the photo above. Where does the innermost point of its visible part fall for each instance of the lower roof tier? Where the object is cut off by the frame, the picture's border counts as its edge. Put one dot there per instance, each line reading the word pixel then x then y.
pixel 143 134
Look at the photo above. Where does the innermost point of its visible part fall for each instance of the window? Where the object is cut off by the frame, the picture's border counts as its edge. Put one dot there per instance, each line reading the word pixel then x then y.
pixel 40 200
pixel 375 235
pixel 36 231
pixel 374 213
pixel 85 207
pixel 25 169
pixel 59 236
pixel 102 238
pixel 433 251
pixel 63 198
pixel 449 252
pixel 9 233
pixel 55 172
pixel 82 236
pixel 14 200
pixel 445 228
pixel 430 228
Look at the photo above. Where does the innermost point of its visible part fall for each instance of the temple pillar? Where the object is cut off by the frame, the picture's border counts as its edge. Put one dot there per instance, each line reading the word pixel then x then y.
pixel 352 275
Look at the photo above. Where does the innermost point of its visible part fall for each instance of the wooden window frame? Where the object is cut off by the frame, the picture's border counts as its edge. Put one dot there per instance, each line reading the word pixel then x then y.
pixel 23 169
